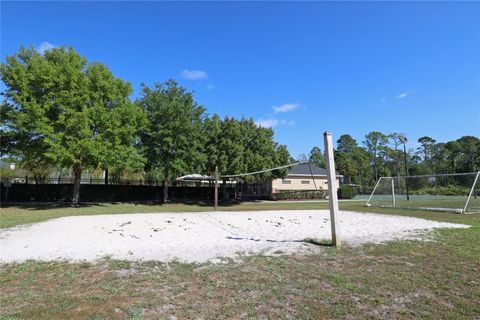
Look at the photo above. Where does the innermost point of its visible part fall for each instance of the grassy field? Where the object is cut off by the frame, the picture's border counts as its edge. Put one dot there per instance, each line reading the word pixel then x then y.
pixel 445 202
pixel 437 279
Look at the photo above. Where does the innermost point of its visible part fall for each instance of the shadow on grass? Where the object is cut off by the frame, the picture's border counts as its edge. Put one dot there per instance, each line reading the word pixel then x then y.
pixel 46 205
pixel 65 204
pixel 321 243
pixel 316 242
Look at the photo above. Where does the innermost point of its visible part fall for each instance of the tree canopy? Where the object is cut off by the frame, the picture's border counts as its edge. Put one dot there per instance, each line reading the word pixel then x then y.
pixel 60 109
pixel 172 139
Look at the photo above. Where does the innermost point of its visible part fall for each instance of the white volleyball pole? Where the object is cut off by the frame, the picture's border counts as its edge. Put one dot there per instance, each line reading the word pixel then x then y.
pixel 332 189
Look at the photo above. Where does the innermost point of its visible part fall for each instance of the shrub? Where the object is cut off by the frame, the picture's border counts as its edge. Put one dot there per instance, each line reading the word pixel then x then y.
pixel 347 192
pixel 450 190
pixel 300 195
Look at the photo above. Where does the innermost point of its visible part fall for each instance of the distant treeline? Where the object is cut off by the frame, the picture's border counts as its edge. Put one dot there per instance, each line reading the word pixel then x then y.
pixel 386 155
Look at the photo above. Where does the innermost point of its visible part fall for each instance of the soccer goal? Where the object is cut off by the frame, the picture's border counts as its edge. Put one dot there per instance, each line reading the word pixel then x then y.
pixel 459 192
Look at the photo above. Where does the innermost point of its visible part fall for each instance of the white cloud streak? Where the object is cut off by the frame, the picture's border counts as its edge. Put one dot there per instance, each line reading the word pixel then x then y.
pixel 401 95
pixel 45 46
pixel 194 74
pixel 272 123
pixel 286 107
pixel 287 122
pixel 267 123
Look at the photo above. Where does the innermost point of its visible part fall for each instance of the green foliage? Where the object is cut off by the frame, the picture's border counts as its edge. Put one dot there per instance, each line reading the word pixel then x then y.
pixel 62 110
pixel 239 146
pixel 347 192
pixel 300 195
pixel 38 168
pixel 449 190
pixel 259 149
pixel 316 157
pixel 354 165
pixel 375 143
pixel 346 143
pixel 469 153
pixel 172 139
pixel 224 146
pixel 365 165
pixel 427 144
pixel 283 157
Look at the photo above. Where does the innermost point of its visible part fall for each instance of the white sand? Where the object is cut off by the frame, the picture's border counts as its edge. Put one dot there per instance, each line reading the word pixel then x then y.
pixel 198 236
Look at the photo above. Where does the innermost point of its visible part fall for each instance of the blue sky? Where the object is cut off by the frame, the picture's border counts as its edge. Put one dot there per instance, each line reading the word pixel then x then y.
pixel 303 68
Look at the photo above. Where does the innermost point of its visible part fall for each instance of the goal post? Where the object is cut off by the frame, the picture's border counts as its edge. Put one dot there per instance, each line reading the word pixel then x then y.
pixel 473 194
pixel 456 192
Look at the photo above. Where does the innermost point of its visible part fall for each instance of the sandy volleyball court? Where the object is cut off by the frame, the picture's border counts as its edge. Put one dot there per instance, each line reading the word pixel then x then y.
pixel 198 236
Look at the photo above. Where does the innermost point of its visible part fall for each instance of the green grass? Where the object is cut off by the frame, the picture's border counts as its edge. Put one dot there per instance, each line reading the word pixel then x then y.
pixel 456 203
pixel 437 279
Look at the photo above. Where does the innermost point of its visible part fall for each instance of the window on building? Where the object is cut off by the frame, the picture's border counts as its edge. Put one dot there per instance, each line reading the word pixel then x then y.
pixel 305 181
pixel 284 181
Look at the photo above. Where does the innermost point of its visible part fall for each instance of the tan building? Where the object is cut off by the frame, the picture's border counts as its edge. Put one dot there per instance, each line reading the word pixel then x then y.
pixel 303 177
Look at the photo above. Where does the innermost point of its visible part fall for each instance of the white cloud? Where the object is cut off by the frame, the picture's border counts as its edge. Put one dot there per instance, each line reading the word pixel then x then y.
pixel 401 95
pixel 267 123
pixel 286 107
pixel 194 74
pixel 272 123
pixel 287 122
pixel 44 46
pixel 210 86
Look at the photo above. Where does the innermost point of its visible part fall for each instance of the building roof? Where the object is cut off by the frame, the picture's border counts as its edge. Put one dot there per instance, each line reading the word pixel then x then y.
pixel 195 177
pixel 307 169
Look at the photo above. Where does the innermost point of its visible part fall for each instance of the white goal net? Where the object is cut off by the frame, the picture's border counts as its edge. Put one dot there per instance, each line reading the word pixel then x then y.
pixel 458 192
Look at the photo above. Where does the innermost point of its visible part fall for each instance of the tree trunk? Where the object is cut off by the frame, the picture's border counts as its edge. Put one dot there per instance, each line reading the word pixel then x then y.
pixel 106 175
pixel 77 175
pixel 165 189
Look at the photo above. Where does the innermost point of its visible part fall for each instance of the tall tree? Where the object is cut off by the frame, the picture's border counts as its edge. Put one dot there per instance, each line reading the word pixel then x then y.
pixel 375 143
pixel 231 148
pixel 397 139
pixel 62 110
pixel 224 147
pixel 283 157
pixel 259 148
pixel 346 143
pixel 452 154
pixel 426 146
pixel 470 152
pixel 172 139
pixel 316 157
pixel 212 128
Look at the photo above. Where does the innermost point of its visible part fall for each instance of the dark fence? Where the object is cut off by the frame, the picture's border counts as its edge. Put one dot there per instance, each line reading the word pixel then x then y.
pixel 18 192
pixel 69 180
